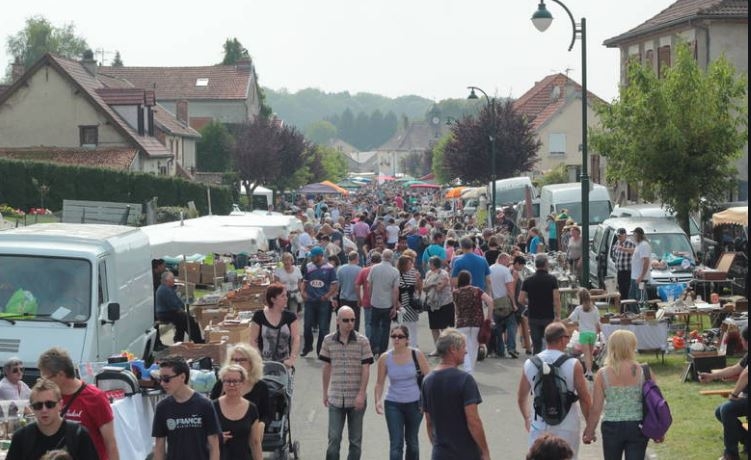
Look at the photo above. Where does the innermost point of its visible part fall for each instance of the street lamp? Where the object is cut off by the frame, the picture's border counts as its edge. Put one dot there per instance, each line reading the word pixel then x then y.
pixel 491 134
pixel 541 20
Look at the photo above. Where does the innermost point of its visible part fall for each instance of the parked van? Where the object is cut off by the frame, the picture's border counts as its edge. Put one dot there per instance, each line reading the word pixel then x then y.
pixel 657 210
pixel 509 192
pixel 554 198
pixel 665 238
pixel 85 287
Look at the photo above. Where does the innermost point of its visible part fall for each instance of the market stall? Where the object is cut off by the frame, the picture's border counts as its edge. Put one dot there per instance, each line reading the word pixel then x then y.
pixel 190 237
pixel 650 336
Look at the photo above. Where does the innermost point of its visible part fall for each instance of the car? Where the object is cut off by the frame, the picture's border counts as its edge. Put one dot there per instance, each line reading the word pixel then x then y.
pixel 658 210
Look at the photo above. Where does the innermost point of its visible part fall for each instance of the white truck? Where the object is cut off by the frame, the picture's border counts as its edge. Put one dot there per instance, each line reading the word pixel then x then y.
pixel 85 287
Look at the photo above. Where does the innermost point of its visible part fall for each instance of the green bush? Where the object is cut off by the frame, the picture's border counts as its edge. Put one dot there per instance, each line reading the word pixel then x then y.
pixel 18 188
pixel 172 213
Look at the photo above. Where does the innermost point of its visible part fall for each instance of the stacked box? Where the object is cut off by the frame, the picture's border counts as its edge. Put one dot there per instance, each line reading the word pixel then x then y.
pixel 235 332
pixel 190 272
pixel 194 351
pixel 209 314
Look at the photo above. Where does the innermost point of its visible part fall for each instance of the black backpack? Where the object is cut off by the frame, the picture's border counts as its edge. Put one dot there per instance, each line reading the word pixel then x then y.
pixel 552 398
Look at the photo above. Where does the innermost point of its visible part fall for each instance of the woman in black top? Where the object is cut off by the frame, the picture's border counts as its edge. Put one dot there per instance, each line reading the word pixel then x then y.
pixel 242 431
pixel 275 331
pixel 253 388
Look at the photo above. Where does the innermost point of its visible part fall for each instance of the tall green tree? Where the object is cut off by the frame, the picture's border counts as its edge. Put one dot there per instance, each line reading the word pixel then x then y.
pixel 326 163
pixel 677 135
pixel 39 36
pixel 234 51
pixel 321 132
pixel 118 60
pixel 214 149
pixel 438 153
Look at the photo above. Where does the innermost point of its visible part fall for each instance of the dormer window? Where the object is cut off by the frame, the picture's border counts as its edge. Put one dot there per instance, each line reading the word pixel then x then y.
pixel 202 82
pixel 89 136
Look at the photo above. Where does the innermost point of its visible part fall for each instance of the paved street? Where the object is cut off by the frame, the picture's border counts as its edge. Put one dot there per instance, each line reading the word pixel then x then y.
pixel 497 378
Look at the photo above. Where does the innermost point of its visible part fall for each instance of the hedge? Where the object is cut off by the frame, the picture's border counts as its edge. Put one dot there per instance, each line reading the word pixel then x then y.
pixel 18 178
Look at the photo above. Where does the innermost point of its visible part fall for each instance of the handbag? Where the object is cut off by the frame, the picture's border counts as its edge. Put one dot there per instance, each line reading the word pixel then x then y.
pixel 484 335
pixel 415 303
pixel 420 375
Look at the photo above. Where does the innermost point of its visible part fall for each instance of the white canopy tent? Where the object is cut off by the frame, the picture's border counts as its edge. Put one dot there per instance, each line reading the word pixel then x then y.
pixel 274 226
pixel 261 191
pixel 175 239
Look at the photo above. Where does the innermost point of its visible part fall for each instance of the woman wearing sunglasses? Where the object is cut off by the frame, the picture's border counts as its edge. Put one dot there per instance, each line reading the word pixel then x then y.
pixel 253 388
pixel 401 406
pixel 241 429
pixel 11 386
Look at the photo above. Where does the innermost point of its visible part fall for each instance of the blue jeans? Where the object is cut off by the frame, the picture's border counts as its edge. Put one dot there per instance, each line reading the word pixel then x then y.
pixel 317 312
pixel 403 421
pixel 367 315
pixel 537 331
pixel 620 437
pixel 507 324
pixel 732 430
pixel 354 418
pixel 380 323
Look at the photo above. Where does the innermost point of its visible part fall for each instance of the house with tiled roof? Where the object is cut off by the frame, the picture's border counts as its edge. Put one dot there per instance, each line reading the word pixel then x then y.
pixel 553 107
pixel 222 93
pixel 713 28
pixel 417 137
pixel 60 110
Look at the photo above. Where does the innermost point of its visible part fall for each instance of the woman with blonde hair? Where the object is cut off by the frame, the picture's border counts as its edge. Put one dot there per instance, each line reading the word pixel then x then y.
pixel 587 317
pixel 290 276
pixel 252 388
pixel 242 430
pixel 618 392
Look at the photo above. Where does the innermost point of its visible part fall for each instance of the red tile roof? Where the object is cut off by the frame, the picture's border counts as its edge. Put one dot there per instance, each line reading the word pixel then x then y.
pixel 168 123
pixel 684 11
pixel 121 96
pixel 172 83
pixel 117 159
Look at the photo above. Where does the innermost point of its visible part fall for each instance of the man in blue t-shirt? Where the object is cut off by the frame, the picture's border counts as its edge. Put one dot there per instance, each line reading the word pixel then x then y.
pixel 435 249
pixel 476 265
pixel 320 287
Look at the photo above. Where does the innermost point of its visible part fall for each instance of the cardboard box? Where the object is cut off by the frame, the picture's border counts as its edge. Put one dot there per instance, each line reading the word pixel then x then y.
pixel 190 272
pixel 195 351
pixel 209 314
pixel 234 333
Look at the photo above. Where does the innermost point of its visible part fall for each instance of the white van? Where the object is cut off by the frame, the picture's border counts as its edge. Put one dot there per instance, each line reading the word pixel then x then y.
pixel 657 210
pixel 554 198
pixel 511 191
pixel 85 287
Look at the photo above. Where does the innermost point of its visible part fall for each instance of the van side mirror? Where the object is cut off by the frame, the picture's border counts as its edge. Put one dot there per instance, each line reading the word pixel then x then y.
pixel 113 312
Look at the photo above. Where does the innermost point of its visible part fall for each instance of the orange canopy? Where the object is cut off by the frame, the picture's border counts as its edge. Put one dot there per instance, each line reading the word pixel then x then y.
pixel 341 190
pixel 455 192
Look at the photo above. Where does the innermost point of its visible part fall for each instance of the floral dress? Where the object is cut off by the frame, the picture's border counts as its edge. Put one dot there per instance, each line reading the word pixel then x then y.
pixel 468 305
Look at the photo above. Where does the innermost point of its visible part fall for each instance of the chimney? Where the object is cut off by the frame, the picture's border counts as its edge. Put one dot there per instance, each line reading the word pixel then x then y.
pixel 243 64
pixel 89 63
pixel 181 111
pixel 17 69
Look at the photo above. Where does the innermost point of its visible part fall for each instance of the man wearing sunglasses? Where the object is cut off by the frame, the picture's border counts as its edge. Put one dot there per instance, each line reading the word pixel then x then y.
pixel 11 386
pixel 50 431
pixel 185 425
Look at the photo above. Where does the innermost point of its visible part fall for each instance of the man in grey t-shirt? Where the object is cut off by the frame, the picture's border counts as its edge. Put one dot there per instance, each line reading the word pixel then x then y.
pixel 347 274
pixel 384 299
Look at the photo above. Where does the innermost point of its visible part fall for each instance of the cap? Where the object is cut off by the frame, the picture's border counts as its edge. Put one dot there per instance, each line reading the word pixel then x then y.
pixel 316 251
pixel 621 231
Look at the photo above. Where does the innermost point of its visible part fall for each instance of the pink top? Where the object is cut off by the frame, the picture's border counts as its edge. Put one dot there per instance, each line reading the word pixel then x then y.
pixel 362 280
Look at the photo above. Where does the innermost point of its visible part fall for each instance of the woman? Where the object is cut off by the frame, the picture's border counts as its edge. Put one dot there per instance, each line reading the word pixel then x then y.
pixel 410 286
pixel 468 302
pixel 437 287
pixel 290 276
pixel 402 402
pixel 241 428
pixel 252 388
pixel 574 250
pixel 275 331
pixel 618 387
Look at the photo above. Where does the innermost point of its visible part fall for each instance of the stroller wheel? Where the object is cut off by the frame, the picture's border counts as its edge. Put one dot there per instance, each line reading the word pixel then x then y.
pixel 296 450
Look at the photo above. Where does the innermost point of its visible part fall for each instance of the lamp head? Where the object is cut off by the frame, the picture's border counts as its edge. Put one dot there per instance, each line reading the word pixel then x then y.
pixel 472 94
pixel 542 17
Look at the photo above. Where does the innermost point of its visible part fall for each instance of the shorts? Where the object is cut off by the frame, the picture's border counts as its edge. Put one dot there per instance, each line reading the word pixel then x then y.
pixel 587 338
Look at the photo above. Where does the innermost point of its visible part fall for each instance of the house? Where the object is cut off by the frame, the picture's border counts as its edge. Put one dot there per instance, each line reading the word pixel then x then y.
pixel 62 110
pixel 222 93
pixel 416 138
pixel 713 28
pixel 553 106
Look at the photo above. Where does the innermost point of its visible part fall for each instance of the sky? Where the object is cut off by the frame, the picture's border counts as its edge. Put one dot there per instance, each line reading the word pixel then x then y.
pixel 430 48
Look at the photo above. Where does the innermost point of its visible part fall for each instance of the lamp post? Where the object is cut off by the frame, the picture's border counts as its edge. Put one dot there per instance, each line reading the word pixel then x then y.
pixel 491 135
pixel 541 20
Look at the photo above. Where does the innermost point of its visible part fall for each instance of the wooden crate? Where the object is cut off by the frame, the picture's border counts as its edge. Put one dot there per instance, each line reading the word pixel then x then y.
pixel 234 333
pixel 190 272
pixel 194 351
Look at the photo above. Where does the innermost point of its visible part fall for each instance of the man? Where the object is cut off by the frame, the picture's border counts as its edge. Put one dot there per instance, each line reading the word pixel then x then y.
pixel 305 241
pixel 535 243
pixel 737 404
pixel 170 309
pixel 347 276
pixel 449 400
pixel 185 423
pixel 621 255
pixel 504 223
pixel 337 239
pixel 540 294
pixel 504 307
pixel 435 249
pixel 362 288
pixel 639 266
pixel 347 358
pixel 319 288
pixel 50 431
pixel 569 429
pixel 360 231
pixel 81 403
pixel 384 300
pixel 476 265
pixel 12 387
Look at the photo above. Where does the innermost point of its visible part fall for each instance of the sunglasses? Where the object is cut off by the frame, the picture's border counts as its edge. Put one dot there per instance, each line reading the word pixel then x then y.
pixel 239 360
pixel 397 336
pixel 167 378
pixel 231 382
pixel 16 370
pixel 39 404
pixel 348 320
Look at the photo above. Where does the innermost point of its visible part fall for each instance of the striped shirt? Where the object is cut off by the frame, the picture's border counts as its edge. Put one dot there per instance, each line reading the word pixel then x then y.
pixel 346 366
pixel 407 280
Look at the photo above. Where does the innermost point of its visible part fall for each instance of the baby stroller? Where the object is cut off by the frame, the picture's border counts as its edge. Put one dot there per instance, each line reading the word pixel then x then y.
pixel 277 436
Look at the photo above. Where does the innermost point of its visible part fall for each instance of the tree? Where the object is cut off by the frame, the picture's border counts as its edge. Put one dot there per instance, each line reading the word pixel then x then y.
pixel 117 61
pixel 677 136
pixel 234 51
pixel 468 155
pixel 39 37
pixel 214 149
pixel 326 163
pixel 321 132
pixel 442 176
pixel 266 154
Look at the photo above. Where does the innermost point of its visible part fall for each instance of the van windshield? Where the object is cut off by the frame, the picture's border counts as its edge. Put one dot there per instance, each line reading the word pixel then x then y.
pixel 598 211
pixel 667 244
pixel 38 288
pixel 508 196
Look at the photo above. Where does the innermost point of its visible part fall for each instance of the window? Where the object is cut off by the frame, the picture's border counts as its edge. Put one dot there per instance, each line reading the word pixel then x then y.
pixel 89 135
pixel 650 62
pixel 663 59
pixel 202 82
pixel 557 144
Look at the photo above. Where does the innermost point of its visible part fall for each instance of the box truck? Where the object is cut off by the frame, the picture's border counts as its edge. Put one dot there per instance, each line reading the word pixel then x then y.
pixel 84 287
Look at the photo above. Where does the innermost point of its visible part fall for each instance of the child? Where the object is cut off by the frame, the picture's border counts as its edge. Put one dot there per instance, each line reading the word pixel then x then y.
pixel 587 317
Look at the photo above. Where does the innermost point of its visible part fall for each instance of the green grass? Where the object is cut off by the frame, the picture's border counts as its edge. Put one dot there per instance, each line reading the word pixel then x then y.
pixel 695 433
